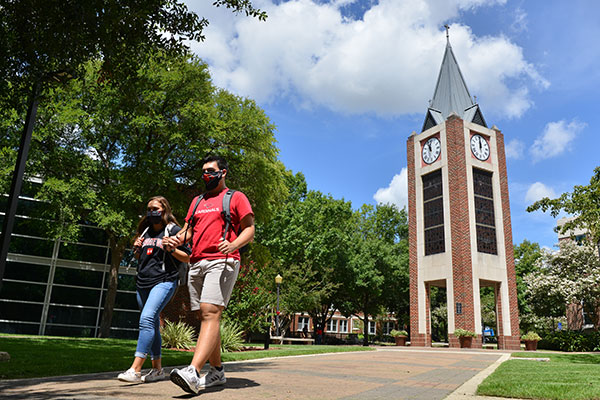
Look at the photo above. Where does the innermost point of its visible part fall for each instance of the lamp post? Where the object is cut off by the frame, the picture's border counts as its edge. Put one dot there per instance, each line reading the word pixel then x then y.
pixel 278 280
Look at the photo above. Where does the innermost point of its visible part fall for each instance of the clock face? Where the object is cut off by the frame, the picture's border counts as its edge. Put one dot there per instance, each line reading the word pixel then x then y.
pixel 480 147
pixel 431 150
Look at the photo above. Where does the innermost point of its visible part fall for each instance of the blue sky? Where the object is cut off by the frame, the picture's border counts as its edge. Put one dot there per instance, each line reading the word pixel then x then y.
pixel 346 82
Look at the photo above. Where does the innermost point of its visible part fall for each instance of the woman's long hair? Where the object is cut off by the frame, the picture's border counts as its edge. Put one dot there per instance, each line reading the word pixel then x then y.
pixel 167 215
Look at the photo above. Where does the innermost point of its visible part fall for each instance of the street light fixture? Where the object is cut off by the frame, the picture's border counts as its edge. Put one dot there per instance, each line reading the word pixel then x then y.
pixel 278 280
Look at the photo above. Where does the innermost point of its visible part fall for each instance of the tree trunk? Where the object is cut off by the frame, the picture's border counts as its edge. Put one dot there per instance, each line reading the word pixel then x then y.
pixel 365 329
pixel 116 250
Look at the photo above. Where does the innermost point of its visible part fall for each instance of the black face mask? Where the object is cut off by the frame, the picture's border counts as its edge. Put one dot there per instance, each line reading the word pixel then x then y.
pixel 211 179
pixel 155 217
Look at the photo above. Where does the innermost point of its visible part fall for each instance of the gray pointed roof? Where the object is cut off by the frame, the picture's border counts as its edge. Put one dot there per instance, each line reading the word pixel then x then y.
pixel 451 95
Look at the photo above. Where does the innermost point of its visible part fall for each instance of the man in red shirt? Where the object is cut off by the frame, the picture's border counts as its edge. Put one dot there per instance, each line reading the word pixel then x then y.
pixel 214 266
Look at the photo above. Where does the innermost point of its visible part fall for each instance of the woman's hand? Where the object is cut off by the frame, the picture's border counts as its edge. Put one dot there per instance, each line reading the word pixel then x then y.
pixel 170 243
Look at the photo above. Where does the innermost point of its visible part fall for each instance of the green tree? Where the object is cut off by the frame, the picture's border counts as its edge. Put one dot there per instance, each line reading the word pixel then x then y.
pixel 570 275
pixel 376 264
pixel 527 255
pixel 307 241
pixel 583 203
pixel 101 152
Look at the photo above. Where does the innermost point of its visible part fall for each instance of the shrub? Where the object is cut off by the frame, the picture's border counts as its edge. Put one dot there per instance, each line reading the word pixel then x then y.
pixel 531 336
pixel 231 336
pixel 571 341
pixel 395 333
pixel 464 333
pixel 177 335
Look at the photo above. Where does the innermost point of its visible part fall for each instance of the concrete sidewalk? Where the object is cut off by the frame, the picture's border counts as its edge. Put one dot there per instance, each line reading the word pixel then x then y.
pixel 388 373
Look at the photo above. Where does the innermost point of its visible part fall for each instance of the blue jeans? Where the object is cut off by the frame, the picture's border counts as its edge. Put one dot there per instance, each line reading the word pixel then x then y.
pixel 151 302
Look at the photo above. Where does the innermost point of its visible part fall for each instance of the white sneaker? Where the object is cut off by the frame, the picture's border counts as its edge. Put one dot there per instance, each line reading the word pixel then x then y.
pixel 186 378
pixel 154 375
pixel 214 377
pixel 130 376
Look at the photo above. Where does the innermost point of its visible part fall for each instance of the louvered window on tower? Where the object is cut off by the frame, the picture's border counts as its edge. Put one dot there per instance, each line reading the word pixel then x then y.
pixel 433 212
pixel 484 212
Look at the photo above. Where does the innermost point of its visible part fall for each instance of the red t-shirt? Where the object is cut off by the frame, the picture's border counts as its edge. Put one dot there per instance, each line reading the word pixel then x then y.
pixel 209 224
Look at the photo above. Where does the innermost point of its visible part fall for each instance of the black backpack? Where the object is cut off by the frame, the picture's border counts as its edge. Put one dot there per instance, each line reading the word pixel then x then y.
pixel 225 213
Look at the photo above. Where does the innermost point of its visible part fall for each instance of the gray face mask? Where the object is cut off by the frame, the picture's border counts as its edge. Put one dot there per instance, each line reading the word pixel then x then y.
pixel 155 217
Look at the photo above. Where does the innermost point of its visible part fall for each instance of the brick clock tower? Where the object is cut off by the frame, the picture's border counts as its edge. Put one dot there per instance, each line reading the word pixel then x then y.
pixel 459 216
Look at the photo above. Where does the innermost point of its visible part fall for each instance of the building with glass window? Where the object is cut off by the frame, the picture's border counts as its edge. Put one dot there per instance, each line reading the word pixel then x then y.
pixel 54 287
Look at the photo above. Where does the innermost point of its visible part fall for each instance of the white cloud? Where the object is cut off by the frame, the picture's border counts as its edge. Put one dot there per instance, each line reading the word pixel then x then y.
pixel 396 193
pixel 556 139
pixel 515 149
pixel 520 23
pixel 538 191
pixel 386 63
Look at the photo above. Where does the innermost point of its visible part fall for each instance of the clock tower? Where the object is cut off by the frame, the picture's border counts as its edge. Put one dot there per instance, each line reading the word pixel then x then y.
pixel 460 232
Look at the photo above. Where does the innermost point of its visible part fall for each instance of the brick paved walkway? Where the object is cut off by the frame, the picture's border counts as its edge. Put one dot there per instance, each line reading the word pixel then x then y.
pixel 407 373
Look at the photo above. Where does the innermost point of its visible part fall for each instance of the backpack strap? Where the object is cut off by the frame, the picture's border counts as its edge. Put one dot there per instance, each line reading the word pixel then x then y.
pixel 226 213
pixel 190 222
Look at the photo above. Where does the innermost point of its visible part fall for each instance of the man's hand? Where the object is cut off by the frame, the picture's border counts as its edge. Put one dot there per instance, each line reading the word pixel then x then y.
pixel 226 247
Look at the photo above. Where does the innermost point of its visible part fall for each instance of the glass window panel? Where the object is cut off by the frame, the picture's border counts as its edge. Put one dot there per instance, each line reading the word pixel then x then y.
pixel 486 240
pixel 31 227
pixel 93 235
pixel 332 325
pixel 69 331
pixel 22 291
pixel 484 211
pixel 78 277
pixel 434 241
pixel 123 334
pixel 22 329
pixel 32 247
pixel 482 183
pixel 371 327
pixel 126 282
pixel 126 301
pixel 71 315
pixel 30 189
pixel 81 252
pixel 126 319
pixel 20 311
pixel 432 185
pixel 26 272
pixel 344 325
pixel 75 296
pixel 434 212
pixel 31 208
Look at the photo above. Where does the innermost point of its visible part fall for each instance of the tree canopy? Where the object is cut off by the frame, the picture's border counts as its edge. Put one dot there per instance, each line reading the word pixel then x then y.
pixel 376 274
pixel 47 38
pixel 308 241
pixel 583 203
pixel 571 275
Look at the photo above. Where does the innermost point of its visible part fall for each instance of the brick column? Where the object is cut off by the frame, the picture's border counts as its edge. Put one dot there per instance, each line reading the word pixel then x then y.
pixel 416 339
pixel 511 339
pixel 462 270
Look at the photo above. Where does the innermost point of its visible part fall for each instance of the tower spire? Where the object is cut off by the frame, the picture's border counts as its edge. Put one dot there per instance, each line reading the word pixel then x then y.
pixel 451 94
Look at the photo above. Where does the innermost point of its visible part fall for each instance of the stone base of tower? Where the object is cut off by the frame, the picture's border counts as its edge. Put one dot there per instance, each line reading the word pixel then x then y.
pixel 509 343
pixel 420 340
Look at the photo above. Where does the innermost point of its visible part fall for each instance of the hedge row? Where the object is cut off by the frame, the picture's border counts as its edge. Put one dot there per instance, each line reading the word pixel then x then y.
pixel 570 341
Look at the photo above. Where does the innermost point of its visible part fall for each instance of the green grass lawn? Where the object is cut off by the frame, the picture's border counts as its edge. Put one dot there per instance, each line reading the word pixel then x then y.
pixel 40 356
pixel 566 376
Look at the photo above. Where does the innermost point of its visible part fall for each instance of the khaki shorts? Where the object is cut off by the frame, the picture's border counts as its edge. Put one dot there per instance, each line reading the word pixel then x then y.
pixel 211 281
